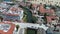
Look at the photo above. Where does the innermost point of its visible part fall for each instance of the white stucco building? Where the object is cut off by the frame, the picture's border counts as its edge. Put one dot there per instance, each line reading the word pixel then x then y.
pixel 53 2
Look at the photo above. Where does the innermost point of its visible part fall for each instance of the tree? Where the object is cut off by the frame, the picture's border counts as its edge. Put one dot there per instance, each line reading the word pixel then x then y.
pixel 45 19
pixel 34 19
pixel 17 27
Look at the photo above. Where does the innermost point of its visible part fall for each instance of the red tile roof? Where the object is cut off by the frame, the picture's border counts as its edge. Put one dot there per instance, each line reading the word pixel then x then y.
pixel 10 31
pixel 43 10
pixel 51 11
pixel 49 18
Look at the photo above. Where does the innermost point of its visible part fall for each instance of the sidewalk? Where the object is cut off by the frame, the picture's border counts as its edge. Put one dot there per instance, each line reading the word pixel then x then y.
pixel 30 25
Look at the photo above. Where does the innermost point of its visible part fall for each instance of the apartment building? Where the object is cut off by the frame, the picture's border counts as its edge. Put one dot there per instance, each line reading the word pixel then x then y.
pixel 52 2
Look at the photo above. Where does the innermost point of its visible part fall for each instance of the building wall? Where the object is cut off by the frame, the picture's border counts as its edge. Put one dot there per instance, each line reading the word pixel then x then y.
pixel 41 31
pixel 21 31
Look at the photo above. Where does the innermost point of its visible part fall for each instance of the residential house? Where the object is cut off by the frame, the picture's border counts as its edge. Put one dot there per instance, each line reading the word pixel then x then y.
pixel 51 19
pixel 14 14
pixel 6 28
pixel 42 9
